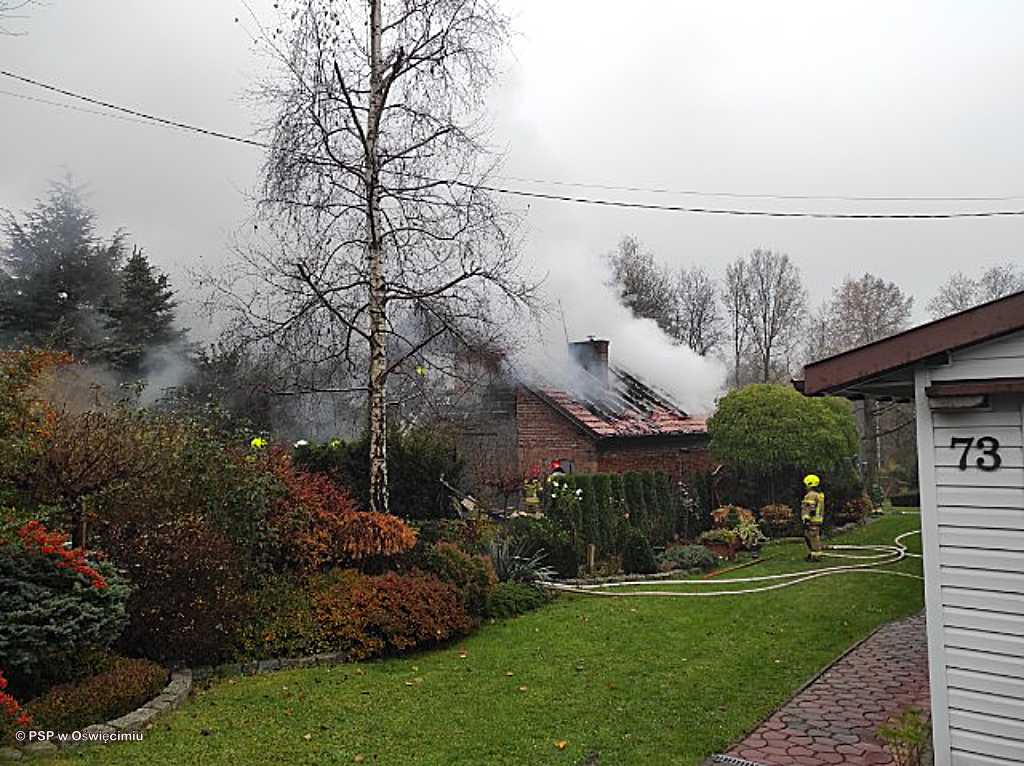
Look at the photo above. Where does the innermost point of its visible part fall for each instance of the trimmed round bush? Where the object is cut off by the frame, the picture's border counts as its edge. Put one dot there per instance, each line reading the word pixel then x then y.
pixel 686 557
pixel 510 599
pixel 637 554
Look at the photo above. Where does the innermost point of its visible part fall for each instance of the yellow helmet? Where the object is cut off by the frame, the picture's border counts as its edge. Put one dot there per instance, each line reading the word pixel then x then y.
pixel 811 481
pixel 258 443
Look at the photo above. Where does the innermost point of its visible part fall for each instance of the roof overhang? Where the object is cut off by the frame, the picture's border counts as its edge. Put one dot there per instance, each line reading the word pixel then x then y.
pixel 885 368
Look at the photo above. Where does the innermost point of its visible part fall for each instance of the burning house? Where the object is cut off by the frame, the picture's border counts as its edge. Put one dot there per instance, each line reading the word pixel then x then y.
pixel 603 419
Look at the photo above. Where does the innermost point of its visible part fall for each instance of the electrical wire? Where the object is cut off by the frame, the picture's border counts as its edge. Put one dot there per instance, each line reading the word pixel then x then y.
pixel 754 195
pixel 560 197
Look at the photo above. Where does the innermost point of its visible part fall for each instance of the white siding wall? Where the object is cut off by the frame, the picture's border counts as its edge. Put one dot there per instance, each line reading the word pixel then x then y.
pixel 973 529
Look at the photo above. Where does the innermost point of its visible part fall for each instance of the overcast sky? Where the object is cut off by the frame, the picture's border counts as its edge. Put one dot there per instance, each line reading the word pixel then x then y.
pixel 873 98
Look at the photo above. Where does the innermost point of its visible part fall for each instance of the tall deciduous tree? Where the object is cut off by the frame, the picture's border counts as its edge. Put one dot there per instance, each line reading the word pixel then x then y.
pixel 698 320
pixel 56 272
pixel 862 311
pixel 644 285
pixel 771 301
pixel 735 296
pixel 961 292
pixel 386 246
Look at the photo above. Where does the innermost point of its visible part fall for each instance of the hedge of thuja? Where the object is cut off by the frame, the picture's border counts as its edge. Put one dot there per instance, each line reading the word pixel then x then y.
pixel 612 504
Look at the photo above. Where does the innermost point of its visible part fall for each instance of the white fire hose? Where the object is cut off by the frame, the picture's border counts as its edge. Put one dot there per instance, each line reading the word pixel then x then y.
pixel 874 556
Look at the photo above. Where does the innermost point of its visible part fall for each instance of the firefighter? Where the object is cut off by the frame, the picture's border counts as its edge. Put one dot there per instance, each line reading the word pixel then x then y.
pixel 531 491
pixel 812 512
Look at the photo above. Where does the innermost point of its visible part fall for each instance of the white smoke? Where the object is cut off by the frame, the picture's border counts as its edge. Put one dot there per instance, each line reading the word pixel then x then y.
pixel 577 289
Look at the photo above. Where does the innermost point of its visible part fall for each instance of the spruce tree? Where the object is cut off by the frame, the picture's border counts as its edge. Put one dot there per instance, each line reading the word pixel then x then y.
pixel 55 273
pixel 142 317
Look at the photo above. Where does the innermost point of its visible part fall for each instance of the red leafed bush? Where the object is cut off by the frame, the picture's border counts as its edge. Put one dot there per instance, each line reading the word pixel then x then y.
pixel 367 616
pixel 190 595
pixel 12 716
pixel 320 526
pixel 35 538
pixel 126 686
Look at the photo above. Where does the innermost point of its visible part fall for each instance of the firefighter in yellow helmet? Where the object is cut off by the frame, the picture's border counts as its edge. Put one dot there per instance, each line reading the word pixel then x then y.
pixel 812 513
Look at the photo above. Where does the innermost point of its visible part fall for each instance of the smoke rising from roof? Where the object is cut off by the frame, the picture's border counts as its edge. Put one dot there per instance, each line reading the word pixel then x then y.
pixel 577 288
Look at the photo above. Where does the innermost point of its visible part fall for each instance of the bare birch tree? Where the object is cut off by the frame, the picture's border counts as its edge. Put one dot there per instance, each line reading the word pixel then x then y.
pixel 382 252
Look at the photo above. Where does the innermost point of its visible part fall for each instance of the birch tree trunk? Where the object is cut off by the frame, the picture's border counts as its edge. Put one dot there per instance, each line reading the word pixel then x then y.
pixel 377 378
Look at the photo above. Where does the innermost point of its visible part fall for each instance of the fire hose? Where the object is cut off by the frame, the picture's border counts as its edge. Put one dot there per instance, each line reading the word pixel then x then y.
pixel 872 556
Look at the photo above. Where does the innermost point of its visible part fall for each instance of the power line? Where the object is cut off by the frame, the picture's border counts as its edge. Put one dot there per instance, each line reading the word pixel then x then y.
pixel 134 112
pixel 144 116
pixel 753 195
pixel 760 213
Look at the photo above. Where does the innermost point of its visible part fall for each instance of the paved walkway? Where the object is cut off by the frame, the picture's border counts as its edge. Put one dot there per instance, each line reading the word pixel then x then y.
pixel 833 721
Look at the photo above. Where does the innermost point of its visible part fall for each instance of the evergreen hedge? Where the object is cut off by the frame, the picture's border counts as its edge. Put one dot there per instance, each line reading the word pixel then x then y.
pixel 600 518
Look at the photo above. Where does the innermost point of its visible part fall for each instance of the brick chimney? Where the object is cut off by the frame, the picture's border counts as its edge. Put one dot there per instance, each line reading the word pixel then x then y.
pixel 592 356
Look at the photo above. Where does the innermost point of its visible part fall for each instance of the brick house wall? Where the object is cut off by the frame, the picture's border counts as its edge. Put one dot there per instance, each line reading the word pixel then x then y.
pixel 545 435
pixel 678 456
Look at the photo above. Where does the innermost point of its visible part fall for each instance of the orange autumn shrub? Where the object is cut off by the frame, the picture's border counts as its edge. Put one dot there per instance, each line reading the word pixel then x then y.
pixel 320 525
pixel 366 617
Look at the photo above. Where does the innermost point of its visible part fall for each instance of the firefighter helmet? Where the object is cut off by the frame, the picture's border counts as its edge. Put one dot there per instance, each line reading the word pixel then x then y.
pixel 811 481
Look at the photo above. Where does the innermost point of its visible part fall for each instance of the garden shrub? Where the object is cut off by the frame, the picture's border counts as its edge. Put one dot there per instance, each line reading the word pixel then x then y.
pixel 607 521
pixel 473 576
pixel 191 594
pixel 281 621
pixel 729 516
pixel 854 511
pixel 686 557
pixel 659 523
pixel 127 685
pixel 364 617
pixel 471 535
pixel 636 507
pixel 12 714
pixel 668 509
pixel 513 563
pixel 544 535
pixel 510 599
pixel 416 458
pixel 769 436
pixel 319 525
pixel 590 523
pixel 778 520
pixel 637 554
pixel 54 599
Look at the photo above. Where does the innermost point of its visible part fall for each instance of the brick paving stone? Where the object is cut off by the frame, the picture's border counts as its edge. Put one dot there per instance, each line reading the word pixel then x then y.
pixel 833 721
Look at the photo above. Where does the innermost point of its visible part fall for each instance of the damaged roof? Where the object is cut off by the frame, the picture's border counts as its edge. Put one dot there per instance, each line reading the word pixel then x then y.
pixel 624 407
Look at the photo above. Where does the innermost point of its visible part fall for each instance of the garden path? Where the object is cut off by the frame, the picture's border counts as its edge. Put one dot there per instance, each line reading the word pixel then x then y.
pixel 834 719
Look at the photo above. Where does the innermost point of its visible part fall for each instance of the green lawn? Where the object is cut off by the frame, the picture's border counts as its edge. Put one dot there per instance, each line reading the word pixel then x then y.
pixel 637 680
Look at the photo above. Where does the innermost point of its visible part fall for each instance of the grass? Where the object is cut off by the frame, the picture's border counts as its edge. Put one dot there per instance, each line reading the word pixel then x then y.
pixel 637 680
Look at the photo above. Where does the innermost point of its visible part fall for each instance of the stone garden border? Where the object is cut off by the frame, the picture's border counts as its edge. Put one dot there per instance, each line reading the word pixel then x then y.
pixel 172 696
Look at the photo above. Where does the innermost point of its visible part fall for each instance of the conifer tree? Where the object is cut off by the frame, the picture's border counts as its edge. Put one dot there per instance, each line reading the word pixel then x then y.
pixel 55 273
pixel 142 317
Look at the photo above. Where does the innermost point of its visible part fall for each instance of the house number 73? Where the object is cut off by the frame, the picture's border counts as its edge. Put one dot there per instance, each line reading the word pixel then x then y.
pixel 988 460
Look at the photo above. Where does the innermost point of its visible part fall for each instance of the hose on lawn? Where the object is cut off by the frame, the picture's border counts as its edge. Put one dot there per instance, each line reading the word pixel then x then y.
pixel 873 557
